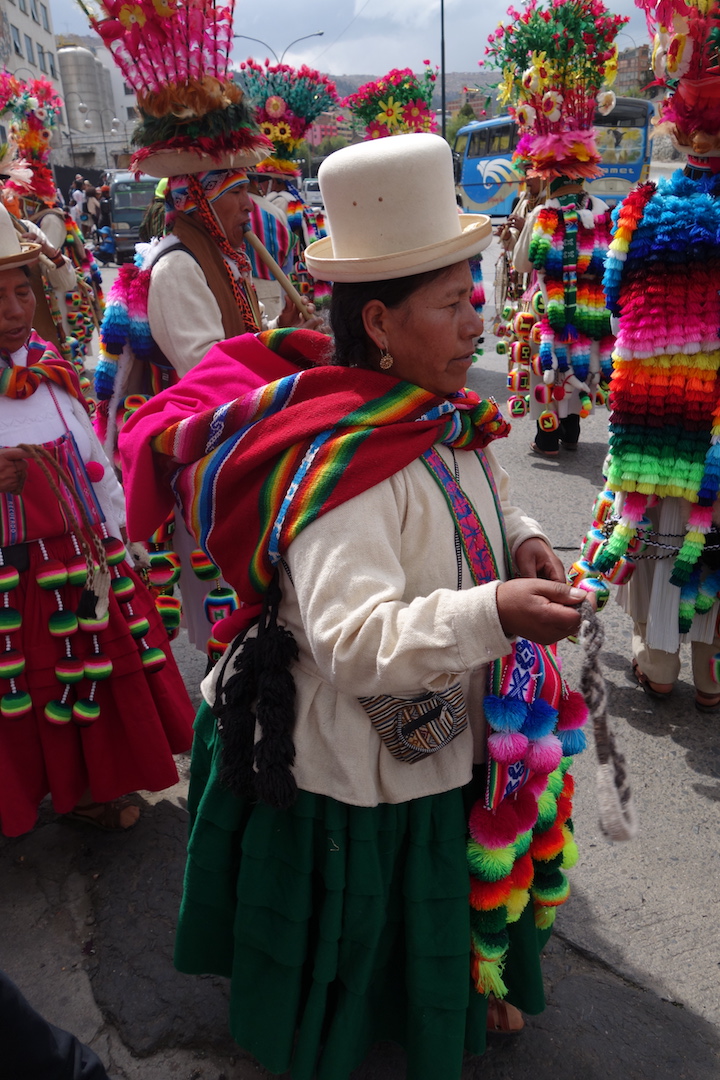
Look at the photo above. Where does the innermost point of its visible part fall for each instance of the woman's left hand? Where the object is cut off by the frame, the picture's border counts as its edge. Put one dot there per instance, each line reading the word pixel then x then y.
pixel 536 559
pixel 13 470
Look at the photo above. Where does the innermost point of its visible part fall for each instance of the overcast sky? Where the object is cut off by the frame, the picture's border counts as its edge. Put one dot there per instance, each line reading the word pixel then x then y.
pixel 367 36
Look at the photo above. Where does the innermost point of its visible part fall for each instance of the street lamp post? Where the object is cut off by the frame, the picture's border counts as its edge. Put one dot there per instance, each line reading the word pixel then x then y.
pixel 68 133
pixel 114 129
pixel 246 37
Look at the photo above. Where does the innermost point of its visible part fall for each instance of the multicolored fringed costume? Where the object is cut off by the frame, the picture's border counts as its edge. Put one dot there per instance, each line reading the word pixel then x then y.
pixel 656 519
pixel 662 281
pixel 90 696
pixel 555 61
pixel 287 101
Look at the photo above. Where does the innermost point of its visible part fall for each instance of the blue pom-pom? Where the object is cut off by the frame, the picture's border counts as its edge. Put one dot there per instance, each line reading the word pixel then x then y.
pixel 504 714
pixel 573 741
pixel 540 720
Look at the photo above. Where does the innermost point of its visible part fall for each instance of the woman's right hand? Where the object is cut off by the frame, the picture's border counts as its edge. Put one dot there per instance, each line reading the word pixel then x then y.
pixel 540 610
pixel 13 470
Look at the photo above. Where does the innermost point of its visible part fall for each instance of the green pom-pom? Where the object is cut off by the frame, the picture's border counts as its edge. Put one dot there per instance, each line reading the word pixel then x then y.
pixel 555 782
pixel 570 855
pixel 544 917
pixel 492 921
pixel 15 705
pixel 487 864
pixel 85 712
pixel 491 947
pixel 58 713
pixel 547 811
pixel 552 888
pixel 522 843
pixel 10 620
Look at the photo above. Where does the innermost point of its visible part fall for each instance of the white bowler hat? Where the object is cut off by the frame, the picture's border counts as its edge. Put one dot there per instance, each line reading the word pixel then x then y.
pixel 12 252
pixel 392 212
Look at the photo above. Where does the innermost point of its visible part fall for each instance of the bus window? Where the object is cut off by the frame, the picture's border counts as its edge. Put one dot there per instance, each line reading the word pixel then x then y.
pixel 478 144
pixel 501 139
pixel 460 144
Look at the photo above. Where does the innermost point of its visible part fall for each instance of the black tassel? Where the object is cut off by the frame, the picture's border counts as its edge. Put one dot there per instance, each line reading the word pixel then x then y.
pixel 234 710
pixel 87 606
pixel 275 750
pixel 262 690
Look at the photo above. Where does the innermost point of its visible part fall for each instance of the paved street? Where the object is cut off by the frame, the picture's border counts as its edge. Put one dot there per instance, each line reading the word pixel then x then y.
pixel 633 971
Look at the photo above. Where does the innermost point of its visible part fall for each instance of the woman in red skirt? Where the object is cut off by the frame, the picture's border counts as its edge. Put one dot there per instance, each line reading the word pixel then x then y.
pixel 92 705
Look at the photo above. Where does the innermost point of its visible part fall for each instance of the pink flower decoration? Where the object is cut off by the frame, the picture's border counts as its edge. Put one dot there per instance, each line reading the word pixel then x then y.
pixel 376 130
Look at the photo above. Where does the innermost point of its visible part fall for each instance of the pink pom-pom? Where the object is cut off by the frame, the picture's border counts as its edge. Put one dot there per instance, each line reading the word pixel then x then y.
pixel 95 471
pixel 526 808
pixel 494 829
pixel 572 712
pixel 536 784
pixel 544 754
pixel 507 746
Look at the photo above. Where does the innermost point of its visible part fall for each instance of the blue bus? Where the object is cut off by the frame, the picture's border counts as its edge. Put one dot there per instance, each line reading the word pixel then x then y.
pixel 488 184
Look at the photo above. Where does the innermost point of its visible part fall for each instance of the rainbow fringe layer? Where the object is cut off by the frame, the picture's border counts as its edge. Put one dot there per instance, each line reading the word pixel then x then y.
pixel 664 396
pixel 571 258
pixel 663 279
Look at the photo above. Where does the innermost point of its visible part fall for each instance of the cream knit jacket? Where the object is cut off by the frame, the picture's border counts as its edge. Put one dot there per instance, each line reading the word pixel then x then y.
pixel 372 601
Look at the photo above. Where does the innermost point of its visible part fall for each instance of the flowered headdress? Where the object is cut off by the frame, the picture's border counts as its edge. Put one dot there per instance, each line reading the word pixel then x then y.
pixel 287 101
pixel 35 110
pixel 555 60
pixel 176 56
pixel 397 104
pixel 686 60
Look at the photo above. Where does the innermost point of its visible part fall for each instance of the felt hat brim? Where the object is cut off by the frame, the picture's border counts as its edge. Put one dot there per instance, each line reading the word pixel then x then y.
pixel 29 253
pixel 187 163
pixel 476 234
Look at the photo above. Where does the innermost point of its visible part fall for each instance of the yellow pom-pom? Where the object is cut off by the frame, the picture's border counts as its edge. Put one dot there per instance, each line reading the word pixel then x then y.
pixel 516 904
pixel 544 916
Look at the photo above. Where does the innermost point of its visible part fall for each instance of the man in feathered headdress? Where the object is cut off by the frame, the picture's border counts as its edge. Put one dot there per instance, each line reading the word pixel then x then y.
pixel 194 286
pixel 287 100
pixel 555 59
pixel 658 518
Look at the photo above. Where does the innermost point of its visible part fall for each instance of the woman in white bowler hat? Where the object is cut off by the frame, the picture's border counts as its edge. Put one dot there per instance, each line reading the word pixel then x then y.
pixel 383 744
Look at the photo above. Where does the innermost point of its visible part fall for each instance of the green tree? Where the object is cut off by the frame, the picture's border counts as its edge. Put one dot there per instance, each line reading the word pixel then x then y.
pixel 464 116
pixel 330 144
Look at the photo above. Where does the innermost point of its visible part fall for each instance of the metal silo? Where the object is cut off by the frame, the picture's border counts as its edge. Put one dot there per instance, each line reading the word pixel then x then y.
pixel 81 82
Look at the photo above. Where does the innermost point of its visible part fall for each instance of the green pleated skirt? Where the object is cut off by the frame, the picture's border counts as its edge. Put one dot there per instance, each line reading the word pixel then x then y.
pixel 340 926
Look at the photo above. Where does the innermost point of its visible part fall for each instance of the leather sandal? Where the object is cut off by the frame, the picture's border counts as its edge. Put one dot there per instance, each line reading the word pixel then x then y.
pixel 707 703
pixel 111 816
pixel 650 688
pixel 503 1018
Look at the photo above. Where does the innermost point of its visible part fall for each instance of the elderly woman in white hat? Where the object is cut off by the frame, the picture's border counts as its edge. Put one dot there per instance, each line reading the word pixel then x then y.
pixel 360 506
pixel 92 705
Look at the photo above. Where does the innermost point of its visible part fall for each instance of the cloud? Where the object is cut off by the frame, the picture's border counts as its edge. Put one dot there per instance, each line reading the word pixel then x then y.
pixel 373 38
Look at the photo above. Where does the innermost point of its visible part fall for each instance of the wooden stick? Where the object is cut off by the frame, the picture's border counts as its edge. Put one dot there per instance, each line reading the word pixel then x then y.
pixel 281 277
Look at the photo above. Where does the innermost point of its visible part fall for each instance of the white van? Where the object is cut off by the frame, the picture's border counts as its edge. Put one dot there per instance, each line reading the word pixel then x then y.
pixel 311 193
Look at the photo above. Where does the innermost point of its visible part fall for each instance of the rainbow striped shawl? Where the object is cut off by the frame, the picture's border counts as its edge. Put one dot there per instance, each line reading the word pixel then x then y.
pixel 44 364
pixel 254 472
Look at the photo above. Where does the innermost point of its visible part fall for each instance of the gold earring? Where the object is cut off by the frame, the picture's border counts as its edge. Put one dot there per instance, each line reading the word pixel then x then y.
pixel 386 360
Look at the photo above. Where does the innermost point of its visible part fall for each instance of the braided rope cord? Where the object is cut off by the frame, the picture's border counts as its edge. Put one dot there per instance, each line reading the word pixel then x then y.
pixel 618 820
pixel 42 457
